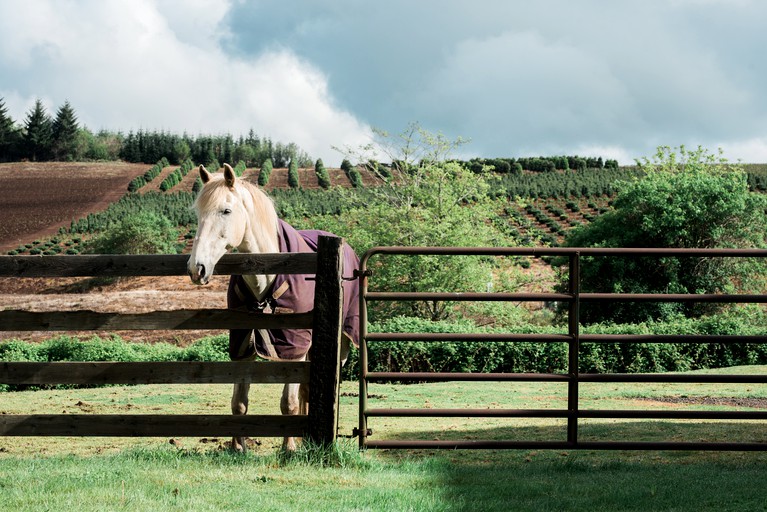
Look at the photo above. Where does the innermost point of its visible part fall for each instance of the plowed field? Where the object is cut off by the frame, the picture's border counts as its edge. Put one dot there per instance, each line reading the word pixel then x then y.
pixel 38 198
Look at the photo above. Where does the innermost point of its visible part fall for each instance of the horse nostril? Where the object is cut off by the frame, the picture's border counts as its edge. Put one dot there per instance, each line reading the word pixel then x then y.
pixel 201 270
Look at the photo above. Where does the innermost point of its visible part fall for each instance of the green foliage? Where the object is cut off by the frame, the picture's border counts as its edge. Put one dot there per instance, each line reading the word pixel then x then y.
pixel 352 173
pixel 239 168
pixel 64 133
pixel 293 174
pixel 139 233
pixel 176 207
pixel 68 348
pixel 38 133
pixel 10 136
pixel 323 179
pixel 435 202
pixel 689 200
pixel 574 183
pixel 174 178
pixel 522 357
pixel 266 172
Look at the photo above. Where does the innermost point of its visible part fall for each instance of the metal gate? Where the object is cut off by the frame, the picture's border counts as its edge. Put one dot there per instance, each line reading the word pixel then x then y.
pixel 573 413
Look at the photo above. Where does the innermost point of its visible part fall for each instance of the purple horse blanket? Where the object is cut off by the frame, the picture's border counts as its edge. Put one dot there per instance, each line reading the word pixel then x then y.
pixel 290 293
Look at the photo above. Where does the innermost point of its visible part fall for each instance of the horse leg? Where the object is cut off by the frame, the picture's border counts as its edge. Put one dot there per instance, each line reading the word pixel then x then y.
pixel 290 404
pixel 240 407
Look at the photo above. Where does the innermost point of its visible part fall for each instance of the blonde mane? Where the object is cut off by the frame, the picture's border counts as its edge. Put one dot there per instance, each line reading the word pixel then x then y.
pixel 264 223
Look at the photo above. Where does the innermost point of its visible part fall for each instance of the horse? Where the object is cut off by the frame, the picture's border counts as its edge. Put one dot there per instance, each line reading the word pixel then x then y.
pixel 233 213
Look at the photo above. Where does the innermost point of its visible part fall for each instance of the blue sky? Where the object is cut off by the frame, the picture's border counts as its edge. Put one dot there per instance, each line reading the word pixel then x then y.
pixel 518 78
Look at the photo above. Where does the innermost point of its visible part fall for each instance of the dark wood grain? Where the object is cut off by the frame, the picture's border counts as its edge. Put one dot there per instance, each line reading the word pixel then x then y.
pixel 325 352
pixel 187 372
pixel 151 425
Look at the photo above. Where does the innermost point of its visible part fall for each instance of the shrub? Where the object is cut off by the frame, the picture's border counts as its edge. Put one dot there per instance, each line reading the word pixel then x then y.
pixel 266 171
pixel 293 174
pixel 138 233
pixel 322 174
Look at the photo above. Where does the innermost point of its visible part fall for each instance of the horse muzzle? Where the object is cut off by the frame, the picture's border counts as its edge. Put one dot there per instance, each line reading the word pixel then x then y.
pixel 198 274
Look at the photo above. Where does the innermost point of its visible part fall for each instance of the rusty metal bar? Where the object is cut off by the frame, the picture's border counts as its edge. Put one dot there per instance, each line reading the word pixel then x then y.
pixel 565 297
pixel 470 413
pixel 672 338
pixel 470 296
pixel 487 337
pixel 564 445
pixel 467 377
pixel 362 428
pixel 673 378
pixel 573 365
pixel 564 251
pixel 667 414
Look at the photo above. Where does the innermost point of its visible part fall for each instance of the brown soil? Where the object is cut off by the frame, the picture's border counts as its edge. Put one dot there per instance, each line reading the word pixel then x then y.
pixel 39 198
pixel 126 295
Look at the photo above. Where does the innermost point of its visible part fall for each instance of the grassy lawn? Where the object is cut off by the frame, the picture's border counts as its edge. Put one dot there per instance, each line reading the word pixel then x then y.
pixel 196 474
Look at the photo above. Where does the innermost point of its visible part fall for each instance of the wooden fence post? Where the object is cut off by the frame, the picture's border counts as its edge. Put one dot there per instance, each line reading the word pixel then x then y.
pixel 325 353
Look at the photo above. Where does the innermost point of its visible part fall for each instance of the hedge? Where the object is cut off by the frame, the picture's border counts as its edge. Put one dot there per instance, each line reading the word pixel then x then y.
pixel 415 356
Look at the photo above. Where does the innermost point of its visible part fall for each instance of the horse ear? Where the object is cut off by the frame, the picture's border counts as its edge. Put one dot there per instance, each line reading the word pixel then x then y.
pixel 229 176
pixel 204 174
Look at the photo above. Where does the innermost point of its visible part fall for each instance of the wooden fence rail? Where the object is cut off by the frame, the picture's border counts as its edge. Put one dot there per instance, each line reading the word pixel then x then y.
pixel 322 373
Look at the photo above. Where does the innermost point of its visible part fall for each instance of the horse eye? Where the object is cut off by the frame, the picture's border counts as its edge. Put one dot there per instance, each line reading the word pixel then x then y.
pixel 227 211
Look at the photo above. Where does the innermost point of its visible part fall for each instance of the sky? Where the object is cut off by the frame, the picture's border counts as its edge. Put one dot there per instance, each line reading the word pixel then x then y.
pixel 515 77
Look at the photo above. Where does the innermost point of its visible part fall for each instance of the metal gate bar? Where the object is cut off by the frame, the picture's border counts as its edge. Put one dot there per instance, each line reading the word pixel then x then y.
pixel 573 338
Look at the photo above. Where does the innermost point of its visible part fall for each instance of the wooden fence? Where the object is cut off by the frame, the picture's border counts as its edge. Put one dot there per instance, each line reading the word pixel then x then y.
pixel 322 373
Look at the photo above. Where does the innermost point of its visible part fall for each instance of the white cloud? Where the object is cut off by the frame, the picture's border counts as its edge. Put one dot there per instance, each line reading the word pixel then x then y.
pixel 136 65
pixel 746 151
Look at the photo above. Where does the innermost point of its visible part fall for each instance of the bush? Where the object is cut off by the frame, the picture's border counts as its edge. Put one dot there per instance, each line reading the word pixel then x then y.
pixel 293 174
pixel 415 356
pixel 266 171
pixel 138 233
pixel 323 179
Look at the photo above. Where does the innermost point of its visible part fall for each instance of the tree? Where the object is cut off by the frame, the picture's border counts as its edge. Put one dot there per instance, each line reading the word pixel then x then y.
pixel 38 133
pixel 689 199
pixel 137 233
pixel 64 130
pixel 9 135
pixel 293 174
pixel 266 171
pixel 323 179
pixel 434 202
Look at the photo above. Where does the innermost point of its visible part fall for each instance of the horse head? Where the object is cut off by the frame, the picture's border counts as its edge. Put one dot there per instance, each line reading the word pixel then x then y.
pixel 222 220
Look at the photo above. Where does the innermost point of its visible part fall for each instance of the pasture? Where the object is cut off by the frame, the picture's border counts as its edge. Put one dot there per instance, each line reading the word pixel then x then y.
pixel 201 474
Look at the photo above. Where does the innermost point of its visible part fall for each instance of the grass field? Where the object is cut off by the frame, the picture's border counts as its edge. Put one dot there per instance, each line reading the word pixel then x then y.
pixel 194 474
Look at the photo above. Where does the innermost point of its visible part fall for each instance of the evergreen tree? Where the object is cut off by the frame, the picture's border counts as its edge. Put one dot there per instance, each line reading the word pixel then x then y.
pixel 266 171
pixel 64 130
pixel 38 133
pixel 9 135
pixel 322 174
pixel 293 174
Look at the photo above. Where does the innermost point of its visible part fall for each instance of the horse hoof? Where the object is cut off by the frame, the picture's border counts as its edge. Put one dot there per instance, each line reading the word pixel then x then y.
pixel 238 445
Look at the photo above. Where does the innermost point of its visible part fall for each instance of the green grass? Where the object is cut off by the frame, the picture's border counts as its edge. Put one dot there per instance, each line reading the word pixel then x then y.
pixel 152 474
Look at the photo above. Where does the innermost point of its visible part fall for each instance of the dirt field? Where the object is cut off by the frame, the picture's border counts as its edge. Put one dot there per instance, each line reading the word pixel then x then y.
pixel 36 199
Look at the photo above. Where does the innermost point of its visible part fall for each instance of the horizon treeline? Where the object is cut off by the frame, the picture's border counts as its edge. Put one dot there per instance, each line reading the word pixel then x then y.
pixel 44 137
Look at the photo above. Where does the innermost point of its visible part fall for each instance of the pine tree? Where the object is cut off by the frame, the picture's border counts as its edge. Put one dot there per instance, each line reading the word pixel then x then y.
pixel 293 174
pixel 323 179
pixel 38 135
pixel 9 135
pixel 64 130
pixel 266 171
